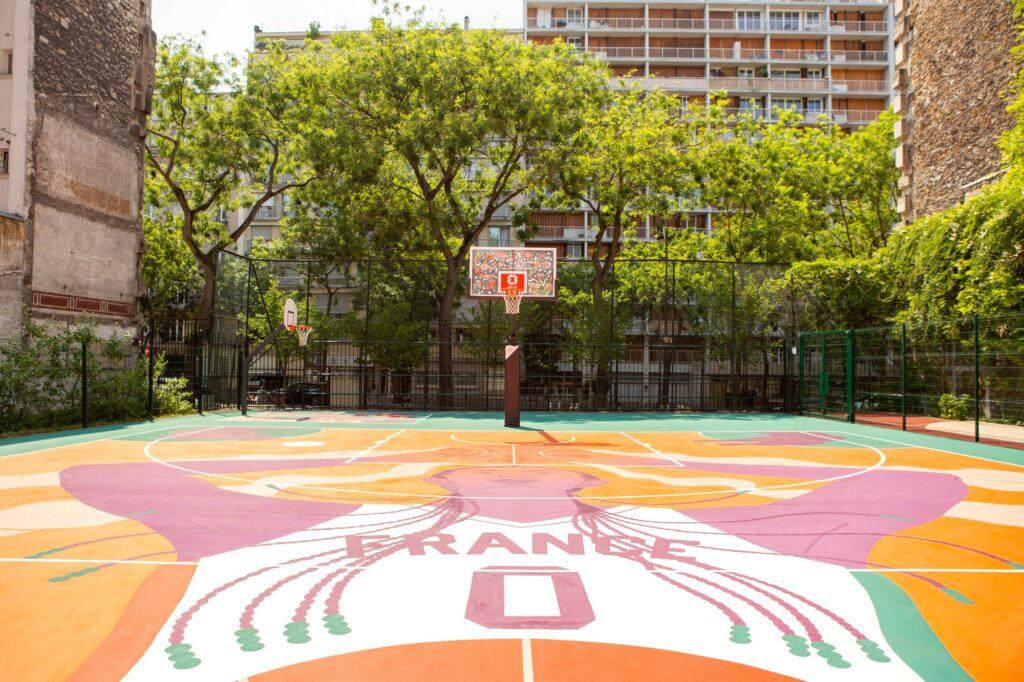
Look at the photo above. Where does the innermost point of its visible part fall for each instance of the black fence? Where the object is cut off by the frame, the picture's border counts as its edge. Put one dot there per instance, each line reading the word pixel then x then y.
pixel 959 378
pixel 661 335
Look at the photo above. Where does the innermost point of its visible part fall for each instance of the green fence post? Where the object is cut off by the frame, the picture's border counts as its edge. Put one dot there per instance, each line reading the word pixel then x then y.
pixel 851 376
pixel 85 384
pixel 152 362
pixel 977 381
pixel 903 376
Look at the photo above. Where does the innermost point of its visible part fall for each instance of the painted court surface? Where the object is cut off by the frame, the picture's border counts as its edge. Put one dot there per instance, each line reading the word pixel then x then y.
pixel 348 546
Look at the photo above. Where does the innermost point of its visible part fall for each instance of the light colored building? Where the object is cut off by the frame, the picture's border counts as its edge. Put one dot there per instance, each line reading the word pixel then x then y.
pixel 72 120
pixel 815 57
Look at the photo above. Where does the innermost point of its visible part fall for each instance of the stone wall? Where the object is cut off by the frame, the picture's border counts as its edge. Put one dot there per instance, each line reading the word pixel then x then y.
pixel 92 84
pixel 12 274
pixel 960 71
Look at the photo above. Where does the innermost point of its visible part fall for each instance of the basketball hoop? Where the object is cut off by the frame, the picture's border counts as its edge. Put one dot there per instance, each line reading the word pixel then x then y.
pixel 512 286
pixel 302 331
pixel 513 297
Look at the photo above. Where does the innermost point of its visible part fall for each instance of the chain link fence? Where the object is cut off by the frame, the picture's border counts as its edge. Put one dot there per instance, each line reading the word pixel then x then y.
pixel 959 378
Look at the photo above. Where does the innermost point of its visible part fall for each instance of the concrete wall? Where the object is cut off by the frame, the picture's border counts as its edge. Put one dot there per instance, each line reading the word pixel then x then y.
pixel 957 75
pixel 90 91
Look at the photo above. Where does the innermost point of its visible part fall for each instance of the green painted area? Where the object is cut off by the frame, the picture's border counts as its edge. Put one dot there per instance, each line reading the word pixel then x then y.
pixel 720 425
pixel 907 632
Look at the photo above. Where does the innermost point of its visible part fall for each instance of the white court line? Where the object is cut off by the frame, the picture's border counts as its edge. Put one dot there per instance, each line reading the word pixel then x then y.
pixel 143 562
pixel 926 447
pixel 149 455
pixel 16 560
pixel 97 440
pixel 423 418
pixel 654 450
pixel 527 661
pixel 375 446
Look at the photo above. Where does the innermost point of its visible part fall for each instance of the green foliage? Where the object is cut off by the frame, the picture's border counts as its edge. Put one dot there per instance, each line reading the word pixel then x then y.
pixel 41 381
pixel 841 292
pixel 956 408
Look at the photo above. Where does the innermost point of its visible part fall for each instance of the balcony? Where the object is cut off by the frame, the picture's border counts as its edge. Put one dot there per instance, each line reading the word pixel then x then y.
pixel 269 213
pixel 616 24
pixel 858 27
pixel 680 53
pixel 635 53
pixel 860 56
pixel 764 85
pixel 659 24
pixel 722 54
pixel 799 55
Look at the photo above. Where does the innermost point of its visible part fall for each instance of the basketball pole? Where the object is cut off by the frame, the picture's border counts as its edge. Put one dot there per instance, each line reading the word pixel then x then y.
pixel 512 378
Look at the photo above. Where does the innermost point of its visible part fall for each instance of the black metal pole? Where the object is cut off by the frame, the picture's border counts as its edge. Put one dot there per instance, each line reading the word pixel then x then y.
pixel 152 365
pixel 903 376
pixel 85 384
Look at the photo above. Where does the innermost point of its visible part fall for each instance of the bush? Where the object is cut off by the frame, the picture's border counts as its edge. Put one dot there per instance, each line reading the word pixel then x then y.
pixel 41 381
pixel 955 408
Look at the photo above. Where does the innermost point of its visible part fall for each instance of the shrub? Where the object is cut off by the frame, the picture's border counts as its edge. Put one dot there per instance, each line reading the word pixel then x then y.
pixel 955 408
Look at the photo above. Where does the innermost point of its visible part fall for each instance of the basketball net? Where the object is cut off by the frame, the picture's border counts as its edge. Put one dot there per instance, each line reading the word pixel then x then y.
pixel 302 331
pixel 513 297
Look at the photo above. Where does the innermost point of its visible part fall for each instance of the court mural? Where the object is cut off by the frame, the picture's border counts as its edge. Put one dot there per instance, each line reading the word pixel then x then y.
pixel 364 546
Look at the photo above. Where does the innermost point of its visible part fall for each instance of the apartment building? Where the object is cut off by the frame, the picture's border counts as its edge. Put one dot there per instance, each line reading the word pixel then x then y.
pixel 75 86
pixel 814 57
pixel 954 69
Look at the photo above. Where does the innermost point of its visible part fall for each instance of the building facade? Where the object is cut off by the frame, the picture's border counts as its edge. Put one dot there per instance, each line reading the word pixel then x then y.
pixel 75 87
pixel 954 69
pixel 814 57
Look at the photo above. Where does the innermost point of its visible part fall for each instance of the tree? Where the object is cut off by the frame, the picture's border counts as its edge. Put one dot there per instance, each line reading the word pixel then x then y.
pixel 448 117
pixel 624 164
pixel 217 142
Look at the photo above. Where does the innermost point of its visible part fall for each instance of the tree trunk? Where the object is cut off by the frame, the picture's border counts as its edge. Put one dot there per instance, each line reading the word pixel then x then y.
pixel 204 312
pixel 445 380
pixel 603 354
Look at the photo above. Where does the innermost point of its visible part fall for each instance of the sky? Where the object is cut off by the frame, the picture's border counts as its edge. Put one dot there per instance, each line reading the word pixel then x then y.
pixel 228 24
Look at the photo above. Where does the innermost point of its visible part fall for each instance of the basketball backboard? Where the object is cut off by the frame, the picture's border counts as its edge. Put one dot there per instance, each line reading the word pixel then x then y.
pixel 492 268
pixel 291 313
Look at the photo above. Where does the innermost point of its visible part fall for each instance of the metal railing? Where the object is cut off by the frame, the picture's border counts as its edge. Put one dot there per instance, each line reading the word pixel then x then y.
pixel 639 52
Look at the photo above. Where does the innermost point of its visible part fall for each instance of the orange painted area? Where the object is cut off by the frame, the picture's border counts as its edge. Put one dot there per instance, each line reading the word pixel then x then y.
pixel 502 660
pixel 554 660
pixel 138 626
pixel 50 629
pixel 491 660
pixel 987 636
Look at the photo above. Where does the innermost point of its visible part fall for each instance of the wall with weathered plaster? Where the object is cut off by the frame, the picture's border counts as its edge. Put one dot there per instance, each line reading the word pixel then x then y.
pixel 960 68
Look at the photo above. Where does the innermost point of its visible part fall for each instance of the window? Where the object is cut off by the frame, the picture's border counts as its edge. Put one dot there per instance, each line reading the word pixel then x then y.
pixel 815 73
pixel 792 104
pixel 575 42
pixel 498 236
pixel 787 73
pixel 745 72
pixel 785 21
pixel 574 16
pixel 815 106
pixel 574 251
pixel 5 160
pixel 748 21
pixel 812 20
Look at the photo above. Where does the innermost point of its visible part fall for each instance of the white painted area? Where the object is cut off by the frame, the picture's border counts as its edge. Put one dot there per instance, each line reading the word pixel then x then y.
pixel 44 480
pixel 527 660
pixel 988 512
pixel 530 595
pixel 405 599
pixel 59 514
pixel 303 444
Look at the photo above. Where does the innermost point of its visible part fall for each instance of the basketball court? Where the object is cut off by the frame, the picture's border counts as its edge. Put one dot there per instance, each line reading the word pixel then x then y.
pixel 417 546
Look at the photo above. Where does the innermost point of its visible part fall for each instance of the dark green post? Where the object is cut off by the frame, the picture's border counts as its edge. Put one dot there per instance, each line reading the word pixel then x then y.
pixel 903 376
pixel 152 362
pixel 851 376
pixel 977 381
pixel 823 377
pixel 800 375
pixel 199 380
pixel 85 384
